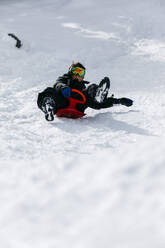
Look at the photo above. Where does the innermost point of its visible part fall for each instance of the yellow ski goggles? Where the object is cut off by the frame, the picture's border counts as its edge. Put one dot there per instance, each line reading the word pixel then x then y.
pixel 78 71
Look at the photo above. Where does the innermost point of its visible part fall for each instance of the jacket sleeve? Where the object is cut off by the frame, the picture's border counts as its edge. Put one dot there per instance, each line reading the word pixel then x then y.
pixel 61 83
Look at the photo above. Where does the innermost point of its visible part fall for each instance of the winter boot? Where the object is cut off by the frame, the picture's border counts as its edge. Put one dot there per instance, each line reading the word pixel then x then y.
pixel 102 90
pixel 49 108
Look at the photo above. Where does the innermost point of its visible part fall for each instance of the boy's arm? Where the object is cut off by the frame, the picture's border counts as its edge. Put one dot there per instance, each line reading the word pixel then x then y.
pixel 109 102
pixel 61 83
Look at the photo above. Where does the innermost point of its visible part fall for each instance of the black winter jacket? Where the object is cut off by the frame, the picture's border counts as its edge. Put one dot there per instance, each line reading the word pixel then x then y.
pixel 66 80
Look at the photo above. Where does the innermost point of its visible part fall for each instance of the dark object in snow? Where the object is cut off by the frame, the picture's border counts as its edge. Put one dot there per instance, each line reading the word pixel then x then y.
pixel 18 42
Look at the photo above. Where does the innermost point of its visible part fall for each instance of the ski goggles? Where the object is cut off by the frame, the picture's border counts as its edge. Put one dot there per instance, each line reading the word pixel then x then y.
pixel 78 71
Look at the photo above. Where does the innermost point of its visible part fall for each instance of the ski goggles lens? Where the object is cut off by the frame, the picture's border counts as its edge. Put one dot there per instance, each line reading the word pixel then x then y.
pixel 78 71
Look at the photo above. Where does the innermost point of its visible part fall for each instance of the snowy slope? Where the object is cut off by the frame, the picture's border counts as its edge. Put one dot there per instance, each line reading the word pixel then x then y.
pixel 95 182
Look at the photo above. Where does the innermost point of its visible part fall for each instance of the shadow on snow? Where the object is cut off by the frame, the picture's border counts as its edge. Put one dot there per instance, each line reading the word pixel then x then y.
pixel 101 122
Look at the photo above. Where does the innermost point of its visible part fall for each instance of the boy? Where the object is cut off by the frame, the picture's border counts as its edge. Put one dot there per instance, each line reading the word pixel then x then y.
pixel 54 98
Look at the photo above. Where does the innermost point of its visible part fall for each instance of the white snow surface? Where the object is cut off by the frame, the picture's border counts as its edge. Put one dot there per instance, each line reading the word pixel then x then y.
pixel 97 182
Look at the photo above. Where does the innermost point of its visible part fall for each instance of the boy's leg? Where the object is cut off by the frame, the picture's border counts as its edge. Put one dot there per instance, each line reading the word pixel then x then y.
pixel 50 102
pixel 49 108
pixel 99 92
pixel 103 89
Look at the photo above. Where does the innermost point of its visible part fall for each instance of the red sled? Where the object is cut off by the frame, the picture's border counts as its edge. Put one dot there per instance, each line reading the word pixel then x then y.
pixel 71 111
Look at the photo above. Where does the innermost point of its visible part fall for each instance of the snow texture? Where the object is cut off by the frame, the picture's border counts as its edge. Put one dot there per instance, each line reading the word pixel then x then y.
pixel 97 182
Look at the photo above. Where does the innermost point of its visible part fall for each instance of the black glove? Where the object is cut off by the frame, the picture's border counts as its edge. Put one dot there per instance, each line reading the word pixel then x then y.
pixel 126 101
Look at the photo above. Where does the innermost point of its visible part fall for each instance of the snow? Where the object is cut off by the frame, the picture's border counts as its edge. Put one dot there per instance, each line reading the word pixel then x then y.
pixel 89 183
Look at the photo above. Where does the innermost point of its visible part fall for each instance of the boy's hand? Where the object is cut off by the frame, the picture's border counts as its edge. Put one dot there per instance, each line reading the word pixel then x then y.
pixel 66 92
pixel 126 101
